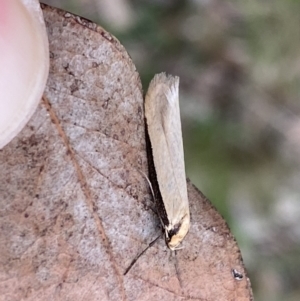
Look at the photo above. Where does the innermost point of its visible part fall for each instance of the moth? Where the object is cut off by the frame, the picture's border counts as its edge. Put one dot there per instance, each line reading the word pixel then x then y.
pixel 164 130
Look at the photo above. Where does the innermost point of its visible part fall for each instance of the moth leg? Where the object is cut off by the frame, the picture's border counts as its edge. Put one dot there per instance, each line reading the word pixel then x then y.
pixel 167 233
pixel 179 248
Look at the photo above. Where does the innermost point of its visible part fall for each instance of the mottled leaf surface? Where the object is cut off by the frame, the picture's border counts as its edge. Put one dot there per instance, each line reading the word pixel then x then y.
pixel 75 209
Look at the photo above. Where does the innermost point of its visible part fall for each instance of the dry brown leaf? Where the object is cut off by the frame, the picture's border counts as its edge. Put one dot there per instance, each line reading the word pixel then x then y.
pixel 74 207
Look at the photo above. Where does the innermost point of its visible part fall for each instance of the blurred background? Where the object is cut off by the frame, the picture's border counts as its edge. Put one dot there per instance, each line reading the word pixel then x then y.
pixel 239 68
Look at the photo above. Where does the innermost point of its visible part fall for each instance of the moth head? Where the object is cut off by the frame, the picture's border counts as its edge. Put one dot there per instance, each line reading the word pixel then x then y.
pixel 176 233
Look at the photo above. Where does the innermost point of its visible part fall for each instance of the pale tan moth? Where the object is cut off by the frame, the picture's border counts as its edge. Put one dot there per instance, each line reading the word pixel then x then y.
pixel 164 129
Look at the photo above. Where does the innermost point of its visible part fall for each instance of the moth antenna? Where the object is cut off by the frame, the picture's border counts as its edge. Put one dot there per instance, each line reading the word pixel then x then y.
pixel 152 192
pixel 149 183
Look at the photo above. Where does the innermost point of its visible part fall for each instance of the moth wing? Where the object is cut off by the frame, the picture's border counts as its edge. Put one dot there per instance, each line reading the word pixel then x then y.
pixel 164 128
